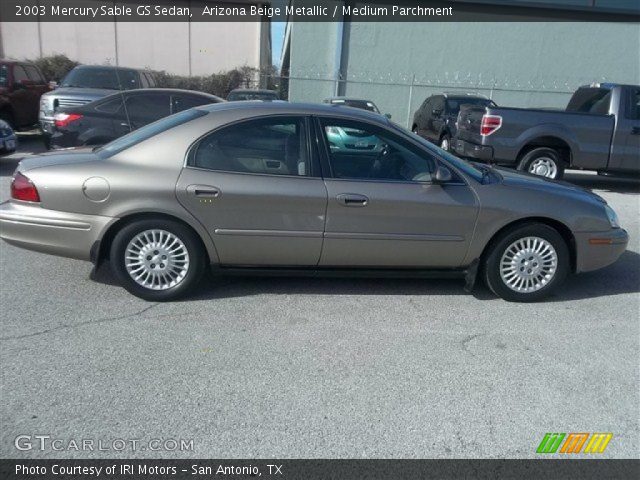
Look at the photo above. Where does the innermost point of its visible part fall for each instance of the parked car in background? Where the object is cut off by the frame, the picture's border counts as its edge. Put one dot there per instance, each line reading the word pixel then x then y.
pixel 86 83
pixel 354 103
pixel 253 187
pixel 21 86
pixel 436 118
pixel 8 140
pixel 111 117
pixel 242 94
pixel 599 130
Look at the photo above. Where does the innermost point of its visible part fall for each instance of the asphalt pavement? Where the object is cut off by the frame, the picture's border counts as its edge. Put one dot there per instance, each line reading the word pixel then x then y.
pixel 316 368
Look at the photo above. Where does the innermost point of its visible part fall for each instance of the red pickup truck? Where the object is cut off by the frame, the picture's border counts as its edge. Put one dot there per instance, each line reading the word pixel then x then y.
pixel 21 85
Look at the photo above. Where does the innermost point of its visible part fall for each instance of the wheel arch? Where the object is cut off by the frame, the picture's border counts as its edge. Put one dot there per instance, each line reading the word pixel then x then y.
pixel 100 250
pixel 561 228
pixel 556 143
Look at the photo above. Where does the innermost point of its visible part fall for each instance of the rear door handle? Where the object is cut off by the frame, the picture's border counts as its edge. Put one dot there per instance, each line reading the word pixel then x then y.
pixel 635 131
pixel 203 191
pixel 352 200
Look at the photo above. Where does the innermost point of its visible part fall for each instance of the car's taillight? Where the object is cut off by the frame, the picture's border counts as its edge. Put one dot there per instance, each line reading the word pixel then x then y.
pixel 489 124
pixel 23 189
pixel 63 119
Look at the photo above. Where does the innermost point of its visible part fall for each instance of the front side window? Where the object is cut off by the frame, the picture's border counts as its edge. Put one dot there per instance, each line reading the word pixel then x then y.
pixel 33 73
pixel 367 152
pixel 275 146
pixel 19 74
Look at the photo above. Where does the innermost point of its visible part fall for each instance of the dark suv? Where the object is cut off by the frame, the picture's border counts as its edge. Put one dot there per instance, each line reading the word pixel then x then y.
pixel 21 85
pixel 436 118
pixel 86 83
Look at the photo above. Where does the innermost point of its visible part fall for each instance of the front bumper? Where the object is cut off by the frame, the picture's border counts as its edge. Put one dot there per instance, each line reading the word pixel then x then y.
pixel 32 227
pixel 596 250
pixel 463 148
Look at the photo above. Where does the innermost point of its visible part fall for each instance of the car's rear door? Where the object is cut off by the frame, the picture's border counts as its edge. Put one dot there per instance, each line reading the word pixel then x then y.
pixel 256 186
pixel 391 214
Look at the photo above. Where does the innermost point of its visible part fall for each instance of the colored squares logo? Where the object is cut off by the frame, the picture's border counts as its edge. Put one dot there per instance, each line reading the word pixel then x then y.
pixel 574 442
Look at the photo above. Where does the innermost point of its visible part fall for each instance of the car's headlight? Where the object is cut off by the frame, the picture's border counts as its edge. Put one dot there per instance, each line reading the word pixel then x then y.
pixel 612 216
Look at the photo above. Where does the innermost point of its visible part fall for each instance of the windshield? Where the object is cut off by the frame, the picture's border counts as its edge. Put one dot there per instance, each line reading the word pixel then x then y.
pixel 453 104
pixel 147 132
pixel 108 78
pixel 235 96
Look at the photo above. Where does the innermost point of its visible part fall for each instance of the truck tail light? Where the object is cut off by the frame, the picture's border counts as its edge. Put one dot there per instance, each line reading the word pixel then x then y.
pixel 64 119
pixel 489 124
pixel 23 189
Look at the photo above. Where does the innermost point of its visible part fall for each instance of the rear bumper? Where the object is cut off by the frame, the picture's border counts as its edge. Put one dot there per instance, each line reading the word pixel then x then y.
pixel 35 228
pixel 472 150
pixel 596 250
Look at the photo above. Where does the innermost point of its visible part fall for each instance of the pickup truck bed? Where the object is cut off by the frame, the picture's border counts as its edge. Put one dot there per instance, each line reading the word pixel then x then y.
pixel 606 138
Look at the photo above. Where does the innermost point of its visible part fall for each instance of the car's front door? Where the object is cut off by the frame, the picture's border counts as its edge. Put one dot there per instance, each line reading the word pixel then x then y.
pixel 257 189
pixel 383 209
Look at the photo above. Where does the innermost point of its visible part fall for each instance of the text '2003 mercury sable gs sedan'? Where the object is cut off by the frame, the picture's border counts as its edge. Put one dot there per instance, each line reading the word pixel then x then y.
pixel 259 188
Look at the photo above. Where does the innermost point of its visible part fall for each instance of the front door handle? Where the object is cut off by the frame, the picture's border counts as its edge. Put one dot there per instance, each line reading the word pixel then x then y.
pixel 203 191
pixel 635 131
pixel 352 200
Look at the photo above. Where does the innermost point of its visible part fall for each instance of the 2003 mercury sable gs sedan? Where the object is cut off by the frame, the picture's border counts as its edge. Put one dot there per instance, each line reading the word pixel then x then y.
pixel 259 187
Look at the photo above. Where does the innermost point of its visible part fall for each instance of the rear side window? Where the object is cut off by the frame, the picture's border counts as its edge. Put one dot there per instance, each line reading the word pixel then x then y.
pixel 185 102
pixel 148 131
pixel 274 146
pixel 111 105
pixel 19 74
pixel 590 100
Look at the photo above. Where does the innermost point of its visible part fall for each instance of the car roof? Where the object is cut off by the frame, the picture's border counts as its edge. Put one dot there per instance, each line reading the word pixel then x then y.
pixel 345 99
pixel 252 90
pixel 91 67
pixel 10 61
pixel 291 108
pixel 464 95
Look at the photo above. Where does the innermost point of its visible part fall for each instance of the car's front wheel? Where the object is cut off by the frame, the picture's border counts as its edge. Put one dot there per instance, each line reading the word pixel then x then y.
pixel 157 259
pixel 527 263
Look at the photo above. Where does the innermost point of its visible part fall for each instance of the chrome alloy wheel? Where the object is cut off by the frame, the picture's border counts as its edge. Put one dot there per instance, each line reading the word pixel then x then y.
pixel 156 259
pixel 544 167
pixel 528 264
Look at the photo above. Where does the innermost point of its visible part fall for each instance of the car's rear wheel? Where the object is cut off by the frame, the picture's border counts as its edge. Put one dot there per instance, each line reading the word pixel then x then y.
pixel 527 263
pixel 158 259
pixel 544 162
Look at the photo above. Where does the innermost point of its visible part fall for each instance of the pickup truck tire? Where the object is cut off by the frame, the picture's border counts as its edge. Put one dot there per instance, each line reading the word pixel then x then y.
pixel 543 161
pixel 526 263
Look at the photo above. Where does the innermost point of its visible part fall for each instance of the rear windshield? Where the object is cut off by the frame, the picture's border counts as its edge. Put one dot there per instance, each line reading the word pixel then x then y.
pixel 147 132
pixel 453 104
pixel 590 100
pixel 108 78
pixel 235 96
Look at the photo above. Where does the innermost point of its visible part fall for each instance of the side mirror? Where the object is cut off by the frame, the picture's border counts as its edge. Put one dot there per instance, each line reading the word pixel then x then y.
pixel 443 175
pixel 388 115
pixel 436 112
pixel 53 84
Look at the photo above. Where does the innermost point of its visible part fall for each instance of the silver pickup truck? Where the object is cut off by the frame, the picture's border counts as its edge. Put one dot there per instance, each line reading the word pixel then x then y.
pixel 86 83
pixel 599 130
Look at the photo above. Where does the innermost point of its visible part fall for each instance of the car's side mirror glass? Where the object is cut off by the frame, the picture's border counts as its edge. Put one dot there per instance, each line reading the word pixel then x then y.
pixel 53 85
pixel 443 174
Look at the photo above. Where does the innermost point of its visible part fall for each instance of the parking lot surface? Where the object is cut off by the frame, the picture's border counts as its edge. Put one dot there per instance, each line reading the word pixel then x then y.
pixel 303 368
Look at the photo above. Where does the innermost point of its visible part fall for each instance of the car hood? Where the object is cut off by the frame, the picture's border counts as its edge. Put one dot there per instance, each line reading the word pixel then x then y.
pixel 535 182
pixel 59 157
pixel 76 92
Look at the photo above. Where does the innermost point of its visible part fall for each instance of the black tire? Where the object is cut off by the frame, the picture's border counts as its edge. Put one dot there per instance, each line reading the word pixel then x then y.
pixel 446 138
pixel 491 265
pixel 7 116
pixel 545 157
pixel 195 251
